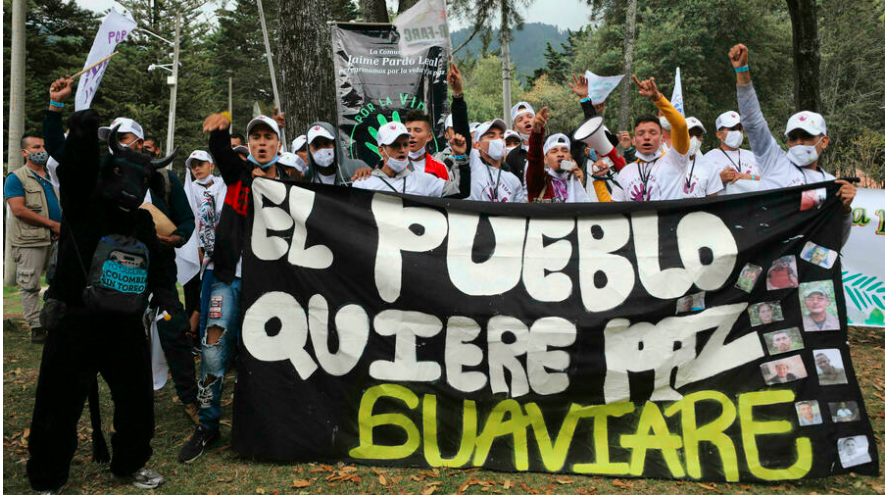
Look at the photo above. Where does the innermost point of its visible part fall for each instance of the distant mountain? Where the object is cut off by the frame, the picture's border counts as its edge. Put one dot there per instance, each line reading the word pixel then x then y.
pixel 526 49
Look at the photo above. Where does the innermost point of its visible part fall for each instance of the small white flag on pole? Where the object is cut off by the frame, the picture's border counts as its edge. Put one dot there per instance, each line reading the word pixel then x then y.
pixel 599 87
pixel 676 99
pixel 114 29
pixel 423 26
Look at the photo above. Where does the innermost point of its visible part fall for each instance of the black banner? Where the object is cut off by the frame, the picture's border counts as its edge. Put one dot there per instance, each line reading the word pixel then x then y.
pixel 376 84
pixel 688 339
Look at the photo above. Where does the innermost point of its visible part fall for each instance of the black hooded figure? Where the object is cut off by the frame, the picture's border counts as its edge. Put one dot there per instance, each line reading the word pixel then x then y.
pixel 87 335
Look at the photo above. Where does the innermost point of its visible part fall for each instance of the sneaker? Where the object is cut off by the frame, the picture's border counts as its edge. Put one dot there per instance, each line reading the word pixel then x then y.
pixel 38 335
pixel 193 412
pixel 197 443
pixel 145 478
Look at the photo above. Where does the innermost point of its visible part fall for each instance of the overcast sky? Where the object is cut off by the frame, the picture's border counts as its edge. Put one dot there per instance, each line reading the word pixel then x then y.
pixel 567 14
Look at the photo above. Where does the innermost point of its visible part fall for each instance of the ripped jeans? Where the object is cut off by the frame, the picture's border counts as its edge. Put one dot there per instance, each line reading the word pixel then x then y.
pixel 223 312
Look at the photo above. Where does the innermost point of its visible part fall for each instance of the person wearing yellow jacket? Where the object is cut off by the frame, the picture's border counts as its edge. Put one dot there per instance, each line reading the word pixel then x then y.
pixel 655 175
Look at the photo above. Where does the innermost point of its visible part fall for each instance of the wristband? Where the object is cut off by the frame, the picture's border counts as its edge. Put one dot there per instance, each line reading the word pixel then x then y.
pixel 56 104
pixel 459 157
pixel 742 69
pixel 586 100
pixel 227 115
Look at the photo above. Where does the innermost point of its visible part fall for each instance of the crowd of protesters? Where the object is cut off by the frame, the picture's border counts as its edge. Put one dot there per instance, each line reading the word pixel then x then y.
pixel 205 217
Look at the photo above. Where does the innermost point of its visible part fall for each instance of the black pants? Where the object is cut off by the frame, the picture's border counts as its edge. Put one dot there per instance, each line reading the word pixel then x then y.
pixel 192 296
pixel 82 346
pixel 174 340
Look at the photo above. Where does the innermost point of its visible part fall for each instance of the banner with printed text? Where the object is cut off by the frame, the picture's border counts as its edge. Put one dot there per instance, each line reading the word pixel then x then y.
pixel 375 84
pixel 863 260
pixel 696 339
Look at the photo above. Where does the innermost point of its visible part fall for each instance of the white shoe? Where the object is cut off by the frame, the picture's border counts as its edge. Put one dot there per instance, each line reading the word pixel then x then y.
pixel 146 478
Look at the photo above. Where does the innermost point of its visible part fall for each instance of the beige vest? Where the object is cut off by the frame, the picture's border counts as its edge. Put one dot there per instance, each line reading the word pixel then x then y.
pixel 21 233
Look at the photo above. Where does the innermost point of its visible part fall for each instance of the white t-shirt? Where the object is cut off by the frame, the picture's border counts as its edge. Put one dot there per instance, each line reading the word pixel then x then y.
pixel 326 179
pixel 488 183
pixel 699 181
pixel 419 183
pixel 742 161
pixel 660 178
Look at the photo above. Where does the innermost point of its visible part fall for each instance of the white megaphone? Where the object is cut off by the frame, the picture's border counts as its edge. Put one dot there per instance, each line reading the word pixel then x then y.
pixel 592 133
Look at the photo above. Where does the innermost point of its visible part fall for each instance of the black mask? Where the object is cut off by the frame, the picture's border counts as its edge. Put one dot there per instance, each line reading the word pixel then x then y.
pixel 125 175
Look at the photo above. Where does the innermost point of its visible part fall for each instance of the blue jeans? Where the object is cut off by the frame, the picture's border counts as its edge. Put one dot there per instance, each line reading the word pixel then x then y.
pixel 205 292
pixel 223 312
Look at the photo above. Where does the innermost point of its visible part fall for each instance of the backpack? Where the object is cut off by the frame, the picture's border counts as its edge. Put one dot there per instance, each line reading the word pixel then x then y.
pixel 117 278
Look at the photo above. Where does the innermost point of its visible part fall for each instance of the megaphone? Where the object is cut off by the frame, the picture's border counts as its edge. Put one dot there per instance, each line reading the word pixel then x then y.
pixel 592 133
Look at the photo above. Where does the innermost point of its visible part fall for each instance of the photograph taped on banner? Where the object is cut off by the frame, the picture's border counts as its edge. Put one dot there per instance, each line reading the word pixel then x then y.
pixel 854 450
pixel 819 255
pixel 808 412
pixel 812 198
pixel 748 277
pixel 783 274
pixel 691 302
pixel 830 370
pixel 781 341
pixel 788 369
pixel 818 302
pixel 765 313
pixel 844 412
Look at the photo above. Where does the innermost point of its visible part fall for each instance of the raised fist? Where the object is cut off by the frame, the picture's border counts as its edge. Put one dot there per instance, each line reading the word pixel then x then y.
pixel 738 55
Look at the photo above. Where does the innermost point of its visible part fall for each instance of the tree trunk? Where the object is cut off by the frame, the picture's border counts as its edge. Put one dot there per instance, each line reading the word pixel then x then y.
pixel 405 5
pixel 626 86
pixel 806 54
pixel 307 82
pixel 374 10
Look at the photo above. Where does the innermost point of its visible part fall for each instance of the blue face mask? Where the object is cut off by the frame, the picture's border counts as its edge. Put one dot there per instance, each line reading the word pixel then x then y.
pixel 266 165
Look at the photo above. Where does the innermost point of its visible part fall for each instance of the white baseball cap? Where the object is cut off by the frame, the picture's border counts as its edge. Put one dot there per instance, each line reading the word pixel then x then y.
pixel 519 109
pixel 556 140
pixel 126 125
pixel 263 119
pixel 289 159
pixel 728 119
pixel 810 122
pixel 450 122
pixel 694 122
pixel 389 132
pixel 198 155
pixel 509 133
pixel 318 131
pixel 665 124
pixel 485 126
pixel 298 142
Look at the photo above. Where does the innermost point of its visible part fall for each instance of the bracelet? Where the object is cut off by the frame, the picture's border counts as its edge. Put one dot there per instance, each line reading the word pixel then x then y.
pixel 742 69
pixel 586 100
pixel 227 115
pixel 459 157
pixel 56 104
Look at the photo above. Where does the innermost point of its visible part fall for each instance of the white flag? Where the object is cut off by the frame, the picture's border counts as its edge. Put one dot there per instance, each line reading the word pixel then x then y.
pixel 599 87
pixel 114 29
pixel 676 99
pixel 423 26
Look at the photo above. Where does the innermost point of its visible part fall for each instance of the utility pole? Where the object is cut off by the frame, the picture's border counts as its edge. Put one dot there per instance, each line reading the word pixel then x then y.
pixel 629 42
pixel 16 70
pixel 505 76
pixel 230 100
pixel 273 74
pixel 173 87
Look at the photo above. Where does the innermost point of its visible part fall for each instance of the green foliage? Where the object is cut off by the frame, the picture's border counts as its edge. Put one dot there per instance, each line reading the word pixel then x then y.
pixel 482 89
pixel 564 105
pixel 527 47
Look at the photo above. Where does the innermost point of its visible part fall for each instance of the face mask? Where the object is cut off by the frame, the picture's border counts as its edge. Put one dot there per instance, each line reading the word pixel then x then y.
pixel 39 158
pixel 205 181
pixel 396 165
pixel 264 166
pixel 496 149
pixel 694 144
pixel 510 148
pixel 524 136
pixel 417 155
pixel 299 164
pixel 803 154
pixel 323 157
pixel 734 139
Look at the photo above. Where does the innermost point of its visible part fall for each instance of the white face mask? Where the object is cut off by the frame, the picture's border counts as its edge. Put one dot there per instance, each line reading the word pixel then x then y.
pixel 803 154
pixel 300 165
pixel 417 155
pixel 734 139
pixel 324 157
pixel 694 144
pixel 496 149
pixel 396 165
pixel 524 137
pixel 566 165
pixel 205 181
pixel 509 149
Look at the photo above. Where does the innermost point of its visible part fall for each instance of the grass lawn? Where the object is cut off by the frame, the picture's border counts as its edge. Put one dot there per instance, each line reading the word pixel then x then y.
pixel 222 471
